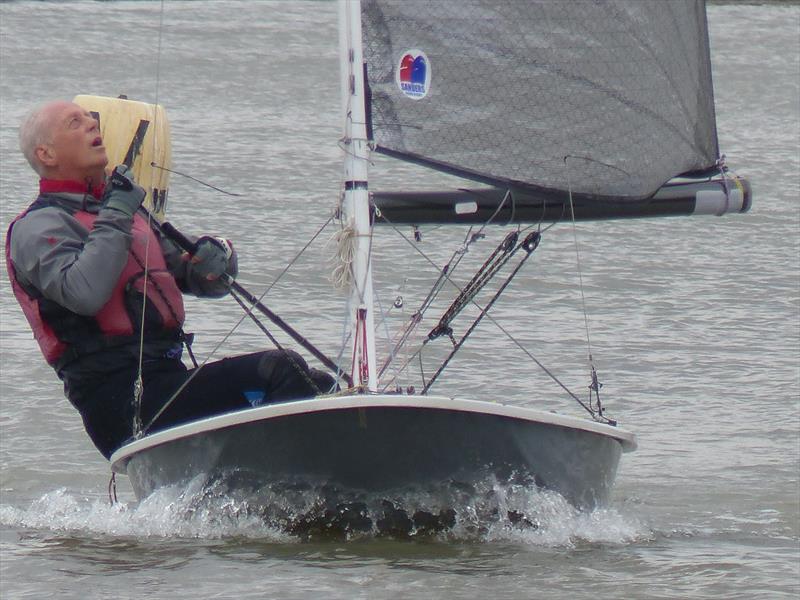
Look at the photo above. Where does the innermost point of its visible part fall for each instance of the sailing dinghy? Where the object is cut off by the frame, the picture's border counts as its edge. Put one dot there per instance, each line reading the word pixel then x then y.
pixel 561 111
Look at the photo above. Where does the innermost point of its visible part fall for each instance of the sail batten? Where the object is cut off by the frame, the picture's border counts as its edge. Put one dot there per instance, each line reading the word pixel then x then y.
pixel 610 99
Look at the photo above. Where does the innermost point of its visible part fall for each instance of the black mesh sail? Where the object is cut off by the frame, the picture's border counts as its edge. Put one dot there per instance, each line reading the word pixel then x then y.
pixel 502 91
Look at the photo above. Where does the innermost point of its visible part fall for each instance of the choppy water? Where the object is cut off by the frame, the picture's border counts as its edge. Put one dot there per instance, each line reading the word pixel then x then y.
pixel 695 327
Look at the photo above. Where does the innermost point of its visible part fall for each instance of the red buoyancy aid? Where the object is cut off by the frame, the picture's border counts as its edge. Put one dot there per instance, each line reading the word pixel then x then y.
pixel 50 345
pixel 119 320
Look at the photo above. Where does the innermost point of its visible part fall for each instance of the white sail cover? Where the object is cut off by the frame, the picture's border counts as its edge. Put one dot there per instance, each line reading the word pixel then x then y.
pixel 502 91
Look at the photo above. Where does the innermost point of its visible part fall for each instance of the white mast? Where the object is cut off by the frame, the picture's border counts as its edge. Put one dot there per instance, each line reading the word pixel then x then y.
pixel 356 210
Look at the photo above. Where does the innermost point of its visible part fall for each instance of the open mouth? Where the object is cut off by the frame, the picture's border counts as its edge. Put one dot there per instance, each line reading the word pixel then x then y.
pixel 98 141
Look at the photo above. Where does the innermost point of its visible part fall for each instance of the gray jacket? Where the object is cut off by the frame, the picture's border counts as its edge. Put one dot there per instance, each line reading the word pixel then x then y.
pixel 80 271
pixel 55 256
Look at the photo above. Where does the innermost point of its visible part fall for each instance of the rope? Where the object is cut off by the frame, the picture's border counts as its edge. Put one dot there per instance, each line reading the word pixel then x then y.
pixel 485 273
pixel 529 244
pixel 342 274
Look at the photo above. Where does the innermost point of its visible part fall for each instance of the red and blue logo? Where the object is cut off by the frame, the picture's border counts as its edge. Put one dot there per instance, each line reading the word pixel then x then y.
pixel 413 74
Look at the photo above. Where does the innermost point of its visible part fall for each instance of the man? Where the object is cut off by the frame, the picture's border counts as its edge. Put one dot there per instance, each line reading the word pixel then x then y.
pixel 101 290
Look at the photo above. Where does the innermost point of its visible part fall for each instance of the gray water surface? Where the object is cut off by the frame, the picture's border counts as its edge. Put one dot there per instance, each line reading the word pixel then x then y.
pixel 694 328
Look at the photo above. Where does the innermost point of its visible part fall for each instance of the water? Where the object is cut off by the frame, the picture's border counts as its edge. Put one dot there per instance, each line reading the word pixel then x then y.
pixel 695 329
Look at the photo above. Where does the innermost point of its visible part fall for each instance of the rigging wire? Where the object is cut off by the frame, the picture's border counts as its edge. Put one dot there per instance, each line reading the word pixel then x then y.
pixel 495 322
pixel 138 429
pixel 385 323
pixel 547 371
pixel 155 165
pixel 594 385
pixel 449 267
pixel 247 314
pixel 444 274
pixel 578 260
pixel 260 324
pixel 138 386
pixel 416 318
pixel 529 244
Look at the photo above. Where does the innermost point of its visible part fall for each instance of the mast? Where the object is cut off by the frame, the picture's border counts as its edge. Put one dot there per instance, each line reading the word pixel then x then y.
pixel 355 206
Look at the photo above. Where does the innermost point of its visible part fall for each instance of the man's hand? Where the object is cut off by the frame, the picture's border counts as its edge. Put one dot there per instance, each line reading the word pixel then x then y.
pixel 214 256
pixel 124 194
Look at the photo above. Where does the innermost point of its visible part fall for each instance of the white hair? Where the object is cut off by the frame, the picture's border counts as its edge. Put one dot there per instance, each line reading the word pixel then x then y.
pixel 35 131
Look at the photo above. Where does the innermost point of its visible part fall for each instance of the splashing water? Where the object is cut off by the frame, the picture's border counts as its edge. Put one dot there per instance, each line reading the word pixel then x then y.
pixel 483 511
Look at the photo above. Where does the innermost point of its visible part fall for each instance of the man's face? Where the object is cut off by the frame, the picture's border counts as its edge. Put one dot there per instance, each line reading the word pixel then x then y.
pixel 76 149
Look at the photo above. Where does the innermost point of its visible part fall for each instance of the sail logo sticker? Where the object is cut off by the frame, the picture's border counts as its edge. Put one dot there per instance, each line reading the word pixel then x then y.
pixel 413 74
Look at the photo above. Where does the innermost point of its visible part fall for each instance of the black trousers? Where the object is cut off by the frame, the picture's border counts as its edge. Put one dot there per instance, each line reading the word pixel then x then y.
pixel 223 386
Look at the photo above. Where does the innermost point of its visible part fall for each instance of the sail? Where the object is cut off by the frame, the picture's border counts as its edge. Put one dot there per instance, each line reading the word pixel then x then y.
pixel 609 99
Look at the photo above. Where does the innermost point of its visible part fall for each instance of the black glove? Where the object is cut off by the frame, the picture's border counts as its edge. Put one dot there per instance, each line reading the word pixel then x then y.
pixel 213 257
pixel 124 194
